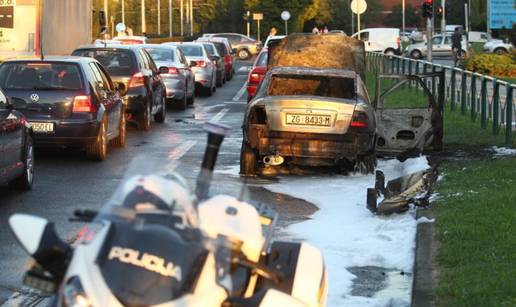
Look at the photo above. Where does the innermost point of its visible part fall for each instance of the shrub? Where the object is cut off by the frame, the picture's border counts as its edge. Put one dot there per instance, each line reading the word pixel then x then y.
pixel 492 64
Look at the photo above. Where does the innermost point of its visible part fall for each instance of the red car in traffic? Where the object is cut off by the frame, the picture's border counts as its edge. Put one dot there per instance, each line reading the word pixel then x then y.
pixel 256 74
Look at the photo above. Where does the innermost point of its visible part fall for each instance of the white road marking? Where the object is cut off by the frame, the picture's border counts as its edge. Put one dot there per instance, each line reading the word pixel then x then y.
pixel 240 93
pixel 219 115
pixel 175 154
pixel 235 102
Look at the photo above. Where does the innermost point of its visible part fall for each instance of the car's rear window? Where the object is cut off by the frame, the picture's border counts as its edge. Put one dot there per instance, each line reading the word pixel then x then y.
pixel 162 54
pixel 210 49
pixel 40 76
pixel 117 62
pixel 310 85
pixel 221 49
pixel 262 59
pixel 190 50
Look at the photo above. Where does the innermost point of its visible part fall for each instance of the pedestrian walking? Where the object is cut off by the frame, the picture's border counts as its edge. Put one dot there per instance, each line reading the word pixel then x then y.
pixel 315 30
pixel 325 30
pixel 456 45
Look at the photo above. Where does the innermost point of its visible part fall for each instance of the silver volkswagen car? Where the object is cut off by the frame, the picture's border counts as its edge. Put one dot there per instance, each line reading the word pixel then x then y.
pixel 180 80
pixel 202 66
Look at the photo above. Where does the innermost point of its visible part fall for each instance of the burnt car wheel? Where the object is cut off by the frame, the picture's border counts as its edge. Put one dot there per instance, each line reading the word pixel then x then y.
pixel 162 114
pixel 98 149
pixel 366 164
pixel 248 161
pixel 119 141
pixel 24 181
pixel 145 119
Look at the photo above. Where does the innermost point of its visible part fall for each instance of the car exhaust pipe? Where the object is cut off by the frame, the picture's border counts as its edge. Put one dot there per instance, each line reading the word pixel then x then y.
pixel 273 160
pixel 216 134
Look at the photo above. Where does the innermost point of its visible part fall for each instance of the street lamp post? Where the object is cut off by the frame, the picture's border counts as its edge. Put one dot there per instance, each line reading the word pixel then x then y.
pixel 191 17
pixel 403 18
pixel 123 11
pixel 181 16
pixel 159 17
pixel 170 18
pixel 144 23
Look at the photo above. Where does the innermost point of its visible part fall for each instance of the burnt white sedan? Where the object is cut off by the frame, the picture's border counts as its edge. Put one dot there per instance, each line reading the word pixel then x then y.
pixel 311 117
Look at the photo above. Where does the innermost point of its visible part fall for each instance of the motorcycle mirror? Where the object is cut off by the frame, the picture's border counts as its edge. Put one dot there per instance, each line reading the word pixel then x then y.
pixel 216 134
pixel 39 238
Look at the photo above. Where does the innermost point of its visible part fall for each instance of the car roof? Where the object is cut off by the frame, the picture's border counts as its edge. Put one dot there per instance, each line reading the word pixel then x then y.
pixel 162 46
pixel 293 70
pixel 50 59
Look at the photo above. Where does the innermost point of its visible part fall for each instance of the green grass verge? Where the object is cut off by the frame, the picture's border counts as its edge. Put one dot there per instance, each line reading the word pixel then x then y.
pixel 476 228
pixel 459 129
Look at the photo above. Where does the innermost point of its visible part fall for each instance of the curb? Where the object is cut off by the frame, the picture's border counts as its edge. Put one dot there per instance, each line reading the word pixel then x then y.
pixel 424 281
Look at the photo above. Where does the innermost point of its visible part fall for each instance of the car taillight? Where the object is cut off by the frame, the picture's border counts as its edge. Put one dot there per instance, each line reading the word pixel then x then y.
pixel 137 80
pixel 202 64
pixel 254 78
pixel 82 104
pixel 173 71
pixel 359 120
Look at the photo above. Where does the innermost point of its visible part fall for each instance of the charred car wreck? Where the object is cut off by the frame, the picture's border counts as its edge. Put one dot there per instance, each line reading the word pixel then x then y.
pixel 313 109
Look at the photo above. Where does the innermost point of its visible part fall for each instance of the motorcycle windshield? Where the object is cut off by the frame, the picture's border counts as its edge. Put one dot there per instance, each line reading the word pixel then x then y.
pixel 153 251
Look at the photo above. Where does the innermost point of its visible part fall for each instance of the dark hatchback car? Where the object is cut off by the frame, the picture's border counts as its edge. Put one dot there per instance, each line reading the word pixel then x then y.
pixel 16 147
pixel 145 93
pixel 69 101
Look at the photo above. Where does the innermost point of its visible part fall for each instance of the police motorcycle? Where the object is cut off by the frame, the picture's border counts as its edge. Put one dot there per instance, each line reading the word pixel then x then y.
pixel 157 244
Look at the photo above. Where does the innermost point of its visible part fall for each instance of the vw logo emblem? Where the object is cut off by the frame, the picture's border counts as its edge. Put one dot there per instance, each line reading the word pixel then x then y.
pixel 34 97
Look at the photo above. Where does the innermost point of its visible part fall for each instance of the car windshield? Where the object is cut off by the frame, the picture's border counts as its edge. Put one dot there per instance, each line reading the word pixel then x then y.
pixel 161 54
pixel 40 76
pixel 311 85
pixel 117 62
pixel 191 50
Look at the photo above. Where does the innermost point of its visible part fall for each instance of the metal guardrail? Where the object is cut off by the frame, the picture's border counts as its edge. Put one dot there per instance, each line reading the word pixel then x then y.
pixel 472 92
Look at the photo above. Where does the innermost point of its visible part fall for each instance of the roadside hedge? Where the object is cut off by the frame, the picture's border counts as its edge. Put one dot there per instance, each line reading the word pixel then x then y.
pixel 493 64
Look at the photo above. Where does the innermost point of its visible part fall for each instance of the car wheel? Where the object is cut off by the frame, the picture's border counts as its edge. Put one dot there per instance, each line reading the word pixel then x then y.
pixel 416 54
pixel 145 120
pixel 500 51
pixel 119 141
pixel 243 54
pixel 248 161
pixel 98 149
pixel 220 82
pixel 162 114
pixel 190 101
pixel 208 91
pixel 390 52
pixel 366 163
pixel 24 181
pixel 224 78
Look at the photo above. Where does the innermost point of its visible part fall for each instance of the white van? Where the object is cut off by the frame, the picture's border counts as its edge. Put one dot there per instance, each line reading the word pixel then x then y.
pixel 479 37
pixel 386 40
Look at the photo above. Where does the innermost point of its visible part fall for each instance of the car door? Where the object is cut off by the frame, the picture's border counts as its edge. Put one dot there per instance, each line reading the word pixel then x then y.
pixel 12 126
pixel 102 92
pixel 113 101
pixel 447 46
pixel 437 47
pixel 407 130
pixel 153 77
pixel 186 71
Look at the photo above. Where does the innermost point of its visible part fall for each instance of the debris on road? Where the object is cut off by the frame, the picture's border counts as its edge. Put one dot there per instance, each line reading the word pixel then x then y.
pixel 399 193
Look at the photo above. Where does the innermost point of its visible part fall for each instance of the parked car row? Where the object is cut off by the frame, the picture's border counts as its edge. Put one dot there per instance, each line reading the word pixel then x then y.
pixel 85 100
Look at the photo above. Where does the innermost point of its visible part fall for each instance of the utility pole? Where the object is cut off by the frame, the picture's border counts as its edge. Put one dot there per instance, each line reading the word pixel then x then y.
pixel 181 9
pixel 159 17
pixel 170 18
pixel 466 16
pixel 191 17
pixel 144 22
pixel 248 24
pixel 123 11
pixel 106 7
pixel 443 19
pixel 403 18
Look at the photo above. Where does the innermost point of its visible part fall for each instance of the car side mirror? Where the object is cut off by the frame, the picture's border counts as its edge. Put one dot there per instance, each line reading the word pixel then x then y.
pixel 39 238
pixel 193 63
pixel 163 70
pixel 214 58
pixel 120 86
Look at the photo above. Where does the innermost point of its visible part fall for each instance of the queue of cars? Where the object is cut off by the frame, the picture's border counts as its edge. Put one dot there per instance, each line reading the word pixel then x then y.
pixel 85 100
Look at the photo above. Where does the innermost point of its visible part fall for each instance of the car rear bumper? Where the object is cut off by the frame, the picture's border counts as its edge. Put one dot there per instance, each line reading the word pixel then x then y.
pixel 175 88
pixel 310 145
pixel 135 102
pixel 69 133
pixel 204 79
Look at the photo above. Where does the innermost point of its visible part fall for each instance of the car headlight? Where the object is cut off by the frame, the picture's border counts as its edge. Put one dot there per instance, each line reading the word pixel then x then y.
pixel 74 294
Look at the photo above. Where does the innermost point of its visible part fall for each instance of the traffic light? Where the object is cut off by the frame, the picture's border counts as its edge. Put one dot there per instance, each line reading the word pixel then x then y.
pixel 427 9
pixel 439 11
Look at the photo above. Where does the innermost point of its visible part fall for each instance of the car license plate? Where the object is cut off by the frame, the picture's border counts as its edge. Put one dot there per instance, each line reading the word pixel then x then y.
pixel 42 127
pixel 309 120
